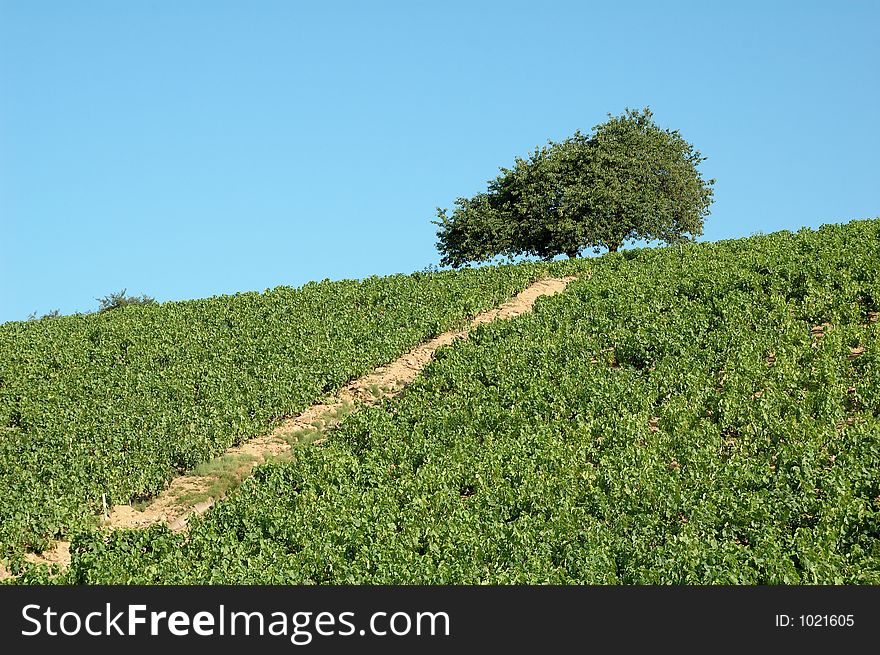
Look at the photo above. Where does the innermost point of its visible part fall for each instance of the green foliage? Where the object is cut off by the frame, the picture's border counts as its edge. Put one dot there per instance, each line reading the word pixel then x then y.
pixel 675 418
pixel 118 402
pixel 629 180
pixel 119 299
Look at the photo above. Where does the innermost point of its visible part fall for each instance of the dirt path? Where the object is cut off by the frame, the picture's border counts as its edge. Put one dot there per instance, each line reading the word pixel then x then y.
pixel 194 494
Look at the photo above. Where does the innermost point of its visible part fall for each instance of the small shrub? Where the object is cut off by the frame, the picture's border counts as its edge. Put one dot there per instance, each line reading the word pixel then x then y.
pixel 55 313
pixel 119 299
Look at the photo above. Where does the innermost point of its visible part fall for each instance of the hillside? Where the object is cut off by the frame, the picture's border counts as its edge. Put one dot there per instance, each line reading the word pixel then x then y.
pixel 109 407
pixel 700 415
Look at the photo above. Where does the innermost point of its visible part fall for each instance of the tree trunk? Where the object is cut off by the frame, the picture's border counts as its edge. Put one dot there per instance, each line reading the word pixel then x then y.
pixel 612 247
pixel 571 254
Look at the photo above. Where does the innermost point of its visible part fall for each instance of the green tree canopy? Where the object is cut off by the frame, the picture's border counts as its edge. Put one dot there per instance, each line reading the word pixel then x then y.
pixel 626 181
pixel 119 299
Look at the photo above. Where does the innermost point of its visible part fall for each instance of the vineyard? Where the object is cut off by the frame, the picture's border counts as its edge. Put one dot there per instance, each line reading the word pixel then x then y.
pixel 703 414
pixel 108 407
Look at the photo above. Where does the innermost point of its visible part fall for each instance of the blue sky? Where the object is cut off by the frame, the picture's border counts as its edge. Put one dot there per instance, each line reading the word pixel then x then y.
pixel 184 149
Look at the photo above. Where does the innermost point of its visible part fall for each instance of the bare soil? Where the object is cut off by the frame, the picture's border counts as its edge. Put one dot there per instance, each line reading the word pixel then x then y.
pixel 58 554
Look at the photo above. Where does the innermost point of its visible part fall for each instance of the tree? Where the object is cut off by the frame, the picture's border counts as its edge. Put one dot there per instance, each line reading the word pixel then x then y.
pixel 119 299
pixel 628 180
